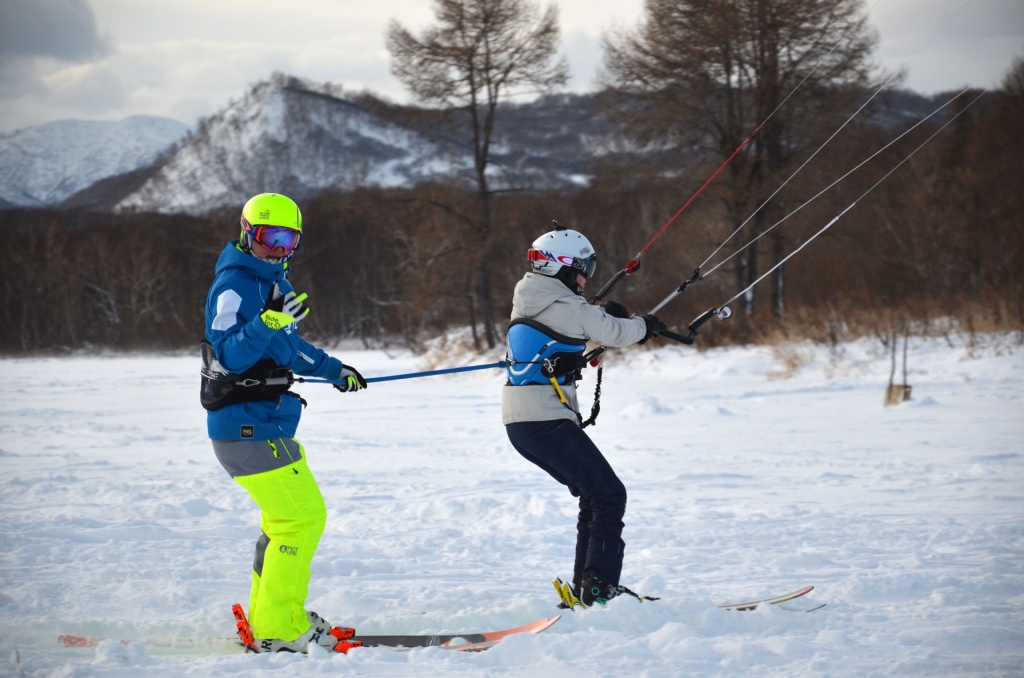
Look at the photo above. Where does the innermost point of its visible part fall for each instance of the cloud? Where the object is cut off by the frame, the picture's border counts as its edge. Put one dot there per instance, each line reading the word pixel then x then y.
pixel 19 78
pixel 86 88
pixel 107 59
pixel 61 29
pixel 37 39
pixel 945 45
pixel 583 52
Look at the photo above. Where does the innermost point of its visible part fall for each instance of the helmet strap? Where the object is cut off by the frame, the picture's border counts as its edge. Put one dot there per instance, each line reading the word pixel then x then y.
pixel 567 275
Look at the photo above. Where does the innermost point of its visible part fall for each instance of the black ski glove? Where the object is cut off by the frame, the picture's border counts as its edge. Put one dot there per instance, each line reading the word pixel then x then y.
pixel 353 381
pixel 653 327
pixel 615 309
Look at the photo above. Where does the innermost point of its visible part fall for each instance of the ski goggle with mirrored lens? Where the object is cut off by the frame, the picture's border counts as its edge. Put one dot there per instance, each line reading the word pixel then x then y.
pixel 588 265
pixel 273 237
pixel 585 266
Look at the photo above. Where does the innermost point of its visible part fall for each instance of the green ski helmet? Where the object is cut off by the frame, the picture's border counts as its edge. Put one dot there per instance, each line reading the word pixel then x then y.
pixel 273 220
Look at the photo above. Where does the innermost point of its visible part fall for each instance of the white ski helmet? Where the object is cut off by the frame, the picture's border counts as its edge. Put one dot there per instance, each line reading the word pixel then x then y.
pixel 563 254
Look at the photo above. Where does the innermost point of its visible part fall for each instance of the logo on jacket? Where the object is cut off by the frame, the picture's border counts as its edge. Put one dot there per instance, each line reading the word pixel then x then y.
pixel 248 431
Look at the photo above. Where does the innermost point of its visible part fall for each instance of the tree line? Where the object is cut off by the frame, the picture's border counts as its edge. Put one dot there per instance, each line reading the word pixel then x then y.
pixel 940 240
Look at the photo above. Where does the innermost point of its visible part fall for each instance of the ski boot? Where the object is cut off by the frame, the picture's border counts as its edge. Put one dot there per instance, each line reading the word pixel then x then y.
pixel 321 632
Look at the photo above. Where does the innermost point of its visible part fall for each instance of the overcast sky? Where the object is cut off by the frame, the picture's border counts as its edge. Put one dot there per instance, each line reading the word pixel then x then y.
pixel 183 59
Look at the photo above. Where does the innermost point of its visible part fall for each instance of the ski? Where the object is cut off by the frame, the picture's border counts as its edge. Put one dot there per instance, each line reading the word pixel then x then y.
pixel 774 600
pixel 348 639
pixel 569 600
pixel 454 641
pixel 797 608
pixel 475 641
pixel 168 645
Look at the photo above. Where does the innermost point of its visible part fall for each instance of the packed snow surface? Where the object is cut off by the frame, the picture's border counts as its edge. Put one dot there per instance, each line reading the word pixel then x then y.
pixel 750 471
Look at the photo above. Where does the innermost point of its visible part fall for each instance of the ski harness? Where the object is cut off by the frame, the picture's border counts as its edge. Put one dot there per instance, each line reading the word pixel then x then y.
pixel 537 355
pixel 266 380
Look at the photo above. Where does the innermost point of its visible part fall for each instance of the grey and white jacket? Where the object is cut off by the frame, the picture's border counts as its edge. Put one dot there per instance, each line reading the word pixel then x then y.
pixel 551 303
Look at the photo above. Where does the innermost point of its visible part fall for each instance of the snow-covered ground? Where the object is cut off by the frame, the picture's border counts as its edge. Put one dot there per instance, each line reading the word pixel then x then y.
pixel 750 471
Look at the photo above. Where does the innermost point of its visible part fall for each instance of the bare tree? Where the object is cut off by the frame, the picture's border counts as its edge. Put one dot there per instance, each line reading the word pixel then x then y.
pixel 1013 81
pixel 706 73
pixel 480 53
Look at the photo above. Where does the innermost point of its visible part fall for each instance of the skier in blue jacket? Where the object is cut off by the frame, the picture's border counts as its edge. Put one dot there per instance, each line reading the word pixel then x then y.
pixel 251 348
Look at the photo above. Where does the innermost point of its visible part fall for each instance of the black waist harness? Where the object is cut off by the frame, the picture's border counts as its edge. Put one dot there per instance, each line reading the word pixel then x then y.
pixel 266 380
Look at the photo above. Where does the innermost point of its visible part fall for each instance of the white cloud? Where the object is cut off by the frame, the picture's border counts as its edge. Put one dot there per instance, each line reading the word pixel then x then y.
pixel 64 29
pixel 187 58
pixel 946 44
pixel 87 88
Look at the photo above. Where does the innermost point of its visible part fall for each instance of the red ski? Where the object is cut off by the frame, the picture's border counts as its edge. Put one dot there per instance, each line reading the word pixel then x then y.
pixel 475 641
pixel 463 642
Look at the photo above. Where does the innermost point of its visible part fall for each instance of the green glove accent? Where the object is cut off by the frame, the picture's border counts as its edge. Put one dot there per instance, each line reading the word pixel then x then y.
pixel 353 380
pixel 280 312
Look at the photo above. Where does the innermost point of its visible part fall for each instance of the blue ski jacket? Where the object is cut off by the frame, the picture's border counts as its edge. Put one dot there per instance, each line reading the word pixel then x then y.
pixel 240 339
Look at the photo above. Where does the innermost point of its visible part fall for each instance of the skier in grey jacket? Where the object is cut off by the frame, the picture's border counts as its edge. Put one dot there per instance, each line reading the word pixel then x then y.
pixel 550 326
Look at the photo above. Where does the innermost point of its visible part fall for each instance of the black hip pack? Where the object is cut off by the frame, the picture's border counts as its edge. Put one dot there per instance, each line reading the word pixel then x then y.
pixel 266 380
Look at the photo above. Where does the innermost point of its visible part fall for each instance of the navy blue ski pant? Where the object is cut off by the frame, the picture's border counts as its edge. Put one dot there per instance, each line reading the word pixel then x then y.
pixel 563 450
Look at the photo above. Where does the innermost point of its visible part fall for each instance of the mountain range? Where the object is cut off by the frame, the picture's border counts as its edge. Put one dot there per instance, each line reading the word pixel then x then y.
pixel 46 164
pixel 300 138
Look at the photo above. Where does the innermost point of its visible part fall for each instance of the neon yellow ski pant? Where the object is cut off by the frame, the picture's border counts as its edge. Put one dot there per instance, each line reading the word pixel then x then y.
pixel 293 519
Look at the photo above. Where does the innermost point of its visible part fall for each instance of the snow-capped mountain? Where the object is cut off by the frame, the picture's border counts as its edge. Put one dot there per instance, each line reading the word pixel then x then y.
pixel 43 165
pixel 289 137
pixel 300 138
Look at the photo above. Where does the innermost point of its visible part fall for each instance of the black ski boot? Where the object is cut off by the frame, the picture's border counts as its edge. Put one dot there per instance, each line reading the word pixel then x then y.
pixel 596 590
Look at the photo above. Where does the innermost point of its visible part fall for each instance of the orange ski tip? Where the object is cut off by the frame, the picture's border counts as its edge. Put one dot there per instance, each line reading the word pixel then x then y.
pixel 77 641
